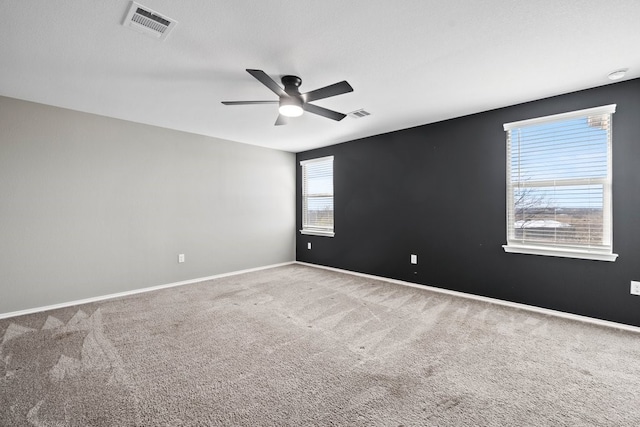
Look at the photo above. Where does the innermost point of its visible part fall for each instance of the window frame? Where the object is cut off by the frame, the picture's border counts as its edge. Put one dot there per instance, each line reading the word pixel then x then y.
pixel 306 227
pixel 563 250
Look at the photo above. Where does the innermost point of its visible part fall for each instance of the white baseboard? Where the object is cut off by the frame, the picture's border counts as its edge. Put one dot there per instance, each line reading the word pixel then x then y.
pixel 526 307
pixel 135 291
pixel 516 305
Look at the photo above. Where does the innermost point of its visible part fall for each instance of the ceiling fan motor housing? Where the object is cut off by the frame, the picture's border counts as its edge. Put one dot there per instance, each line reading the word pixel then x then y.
pixel 291 84
pixel 292 105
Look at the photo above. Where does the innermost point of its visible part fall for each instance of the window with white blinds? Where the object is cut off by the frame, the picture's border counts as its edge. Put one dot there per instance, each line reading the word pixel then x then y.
pixel 559 185
pixel 317 196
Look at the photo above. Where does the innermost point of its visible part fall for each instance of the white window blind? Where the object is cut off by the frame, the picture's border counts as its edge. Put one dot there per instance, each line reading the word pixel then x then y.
pixel 317 196
pixel 559 185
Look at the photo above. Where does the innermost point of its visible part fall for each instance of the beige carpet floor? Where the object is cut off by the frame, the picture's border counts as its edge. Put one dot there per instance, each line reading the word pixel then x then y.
pixel 301 346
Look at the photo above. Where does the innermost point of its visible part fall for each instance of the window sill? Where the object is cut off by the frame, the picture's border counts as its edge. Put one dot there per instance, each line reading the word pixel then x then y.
pixel 317 233
pixel 559 252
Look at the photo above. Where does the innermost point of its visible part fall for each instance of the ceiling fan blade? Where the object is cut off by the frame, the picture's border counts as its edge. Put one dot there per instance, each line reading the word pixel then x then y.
pixel 248 102
pixel 263 78
pixel 327 91
pixel 330 114
pixel 281 120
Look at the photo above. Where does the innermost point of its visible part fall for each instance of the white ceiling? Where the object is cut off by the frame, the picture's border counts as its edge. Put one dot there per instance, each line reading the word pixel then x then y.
pixel 410 62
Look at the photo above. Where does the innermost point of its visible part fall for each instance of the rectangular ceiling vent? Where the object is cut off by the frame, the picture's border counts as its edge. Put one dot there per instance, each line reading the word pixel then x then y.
pixel 358 114
pixel 147 21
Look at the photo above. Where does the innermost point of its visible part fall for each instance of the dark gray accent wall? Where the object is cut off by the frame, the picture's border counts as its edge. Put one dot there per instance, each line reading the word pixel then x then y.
pixel 91 206
pixel 438 191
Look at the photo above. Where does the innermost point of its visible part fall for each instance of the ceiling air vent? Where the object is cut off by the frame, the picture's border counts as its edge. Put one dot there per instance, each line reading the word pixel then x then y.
pixel 147 21
pixel 358 114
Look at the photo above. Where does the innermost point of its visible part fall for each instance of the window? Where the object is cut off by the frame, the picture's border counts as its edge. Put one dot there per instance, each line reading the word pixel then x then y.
pixel 317 196
pixel 559 185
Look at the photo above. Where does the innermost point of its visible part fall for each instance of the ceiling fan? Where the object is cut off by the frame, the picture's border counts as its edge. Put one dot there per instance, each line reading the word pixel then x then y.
pixel 291 102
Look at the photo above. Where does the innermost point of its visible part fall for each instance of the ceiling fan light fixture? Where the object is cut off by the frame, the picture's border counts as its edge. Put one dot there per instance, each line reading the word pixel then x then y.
pixel 291 107
pixel 291 102
pixel 290 110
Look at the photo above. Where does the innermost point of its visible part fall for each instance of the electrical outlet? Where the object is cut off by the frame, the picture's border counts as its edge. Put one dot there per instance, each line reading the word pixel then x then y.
pixel 414 259
pixel 635 288
pixel 180 257
pixel 308 245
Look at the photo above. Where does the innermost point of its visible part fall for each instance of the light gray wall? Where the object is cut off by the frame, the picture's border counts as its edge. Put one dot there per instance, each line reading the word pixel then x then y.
pixel 91 205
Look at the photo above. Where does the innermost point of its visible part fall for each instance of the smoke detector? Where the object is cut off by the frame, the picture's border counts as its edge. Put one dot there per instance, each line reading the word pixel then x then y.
pixel 147 21
pixel 618 74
